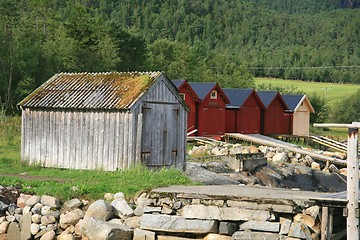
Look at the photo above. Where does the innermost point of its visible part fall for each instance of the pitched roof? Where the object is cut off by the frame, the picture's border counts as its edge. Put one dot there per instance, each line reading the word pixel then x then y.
pixel 237 96
pixel 295 101
pixel 202 89
pixel 178 82
pixel 111 90
pixel 268 96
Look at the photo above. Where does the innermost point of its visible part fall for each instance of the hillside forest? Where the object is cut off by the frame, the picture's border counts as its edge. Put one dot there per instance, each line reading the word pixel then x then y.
pixel 224 41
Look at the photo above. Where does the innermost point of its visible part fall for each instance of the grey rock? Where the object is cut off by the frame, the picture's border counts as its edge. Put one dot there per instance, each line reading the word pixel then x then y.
pixel 71 218
pixel 48 236
pixel 11 209
pixel 33 200
pixel 280 158
pixel 25 225
pixel 121 207
pixel 100 210
pixel 198 174
pixel 224 213
pixel 13 232
pixel 228 228
pixel 299 230
pixel 101 230
pixel 19 211
pixel 4 227
pixel 36 218
pixel 48 219
pixel 168 223
pixel 140 234
pixel 285 225
pixel 34 228
pixel 264 226
pixel 73 203
pixel 45 230
pixel 49 211
pixel 66 236
pixel 36 209
pixel 50 201
pixel 10 218
pixel 3 207
pixel 246 235
pixel 119 195
pixel 133 222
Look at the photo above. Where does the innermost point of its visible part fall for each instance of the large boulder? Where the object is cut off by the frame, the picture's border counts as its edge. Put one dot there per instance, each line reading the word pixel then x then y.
pixel 96 229
pixel 100 210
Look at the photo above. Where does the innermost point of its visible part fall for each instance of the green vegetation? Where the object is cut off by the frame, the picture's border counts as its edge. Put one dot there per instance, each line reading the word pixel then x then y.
pixel 332 92
pixel 66 184
pixel 227 41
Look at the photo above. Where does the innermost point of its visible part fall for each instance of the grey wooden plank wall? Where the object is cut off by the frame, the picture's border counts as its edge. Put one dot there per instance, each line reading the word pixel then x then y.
pixel 78 139
pixel 163 92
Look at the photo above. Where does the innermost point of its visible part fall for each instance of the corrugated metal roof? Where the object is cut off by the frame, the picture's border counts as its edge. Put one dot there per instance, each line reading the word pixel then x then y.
pixel 292 101
pixel 111 90
pixel 237 96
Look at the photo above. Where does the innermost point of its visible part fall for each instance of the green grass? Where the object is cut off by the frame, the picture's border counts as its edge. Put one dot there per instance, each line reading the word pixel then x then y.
pixel 66 184
pixel 332 92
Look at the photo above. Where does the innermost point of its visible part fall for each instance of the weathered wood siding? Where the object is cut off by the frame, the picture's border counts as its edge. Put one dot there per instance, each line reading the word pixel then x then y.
pixel 78 139
pixel 109 140
pixel 164 127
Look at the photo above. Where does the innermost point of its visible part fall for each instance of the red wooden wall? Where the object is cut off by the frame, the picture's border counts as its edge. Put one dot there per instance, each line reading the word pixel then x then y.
pixel 191 101
pixel 275 121
pixel 246 119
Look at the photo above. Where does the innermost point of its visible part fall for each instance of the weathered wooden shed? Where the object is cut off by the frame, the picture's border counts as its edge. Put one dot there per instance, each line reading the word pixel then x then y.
pixel 192 101
pixel 299 109
pixel 274 120
pixel 243 113
pixel 211 109
pixel 104 121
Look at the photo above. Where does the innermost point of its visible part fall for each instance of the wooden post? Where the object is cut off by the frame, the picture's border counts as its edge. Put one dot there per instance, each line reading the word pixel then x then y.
pixel 352 220
pixel 324 223
pixel 353 184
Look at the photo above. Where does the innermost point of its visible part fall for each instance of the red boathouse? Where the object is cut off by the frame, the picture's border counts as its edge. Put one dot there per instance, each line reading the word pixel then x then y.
pixel 192 101
pixel 274 120
pixel 243 113
pixel 211 109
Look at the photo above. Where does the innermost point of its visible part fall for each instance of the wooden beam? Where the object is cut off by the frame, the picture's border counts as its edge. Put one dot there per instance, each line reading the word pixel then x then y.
pixel 353 184
pixel 324 223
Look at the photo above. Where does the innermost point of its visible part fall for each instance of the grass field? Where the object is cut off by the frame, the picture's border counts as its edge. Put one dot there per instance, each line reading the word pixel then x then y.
pixel 66 184
pixel 332 92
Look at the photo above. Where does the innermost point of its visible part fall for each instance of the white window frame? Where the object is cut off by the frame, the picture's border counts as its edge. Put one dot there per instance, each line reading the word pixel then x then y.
pixel 213 94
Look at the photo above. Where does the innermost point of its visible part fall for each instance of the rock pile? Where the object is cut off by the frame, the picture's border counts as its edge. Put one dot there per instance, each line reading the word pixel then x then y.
pixel 35 217
pixel 153 217
pixel 275 155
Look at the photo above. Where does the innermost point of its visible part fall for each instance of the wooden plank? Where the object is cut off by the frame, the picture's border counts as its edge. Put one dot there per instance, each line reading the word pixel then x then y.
pixel 55 131
pixel 139 137
pixel 121 141
pixel 353 184
pixel 90 142
pixel 126 141
pixel 61 136
pixel 324 223
pixel 131 140
pixel 105 142
pixel 23 134
pixel 111 141
pixel 95 159
pixel 116 138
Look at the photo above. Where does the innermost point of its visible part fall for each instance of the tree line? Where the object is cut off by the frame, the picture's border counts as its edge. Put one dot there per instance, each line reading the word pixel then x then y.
pixel 224 41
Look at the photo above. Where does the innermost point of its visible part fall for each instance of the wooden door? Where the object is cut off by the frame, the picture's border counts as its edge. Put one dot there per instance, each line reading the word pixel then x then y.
pixel 159 134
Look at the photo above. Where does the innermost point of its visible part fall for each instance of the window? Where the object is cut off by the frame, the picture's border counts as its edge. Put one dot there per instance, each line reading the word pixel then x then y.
pixel 213 94
pixel 182 95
